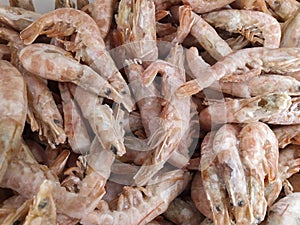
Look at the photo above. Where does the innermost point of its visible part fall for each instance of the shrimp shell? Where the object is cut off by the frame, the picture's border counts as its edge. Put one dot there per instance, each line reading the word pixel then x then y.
pixel 285 211
pixel 202 6
pixel 12 113
pixel 290 32
pixel 255 26
pixel 286 135
pixel 24 4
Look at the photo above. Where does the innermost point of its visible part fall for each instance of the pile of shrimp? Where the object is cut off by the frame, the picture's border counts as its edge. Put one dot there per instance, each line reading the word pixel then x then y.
pixel 156 112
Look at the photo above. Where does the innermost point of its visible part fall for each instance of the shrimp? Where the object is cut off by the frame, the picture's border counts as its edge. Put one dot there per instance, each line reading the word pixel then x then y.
pixel 245 63
pixel 260 86
pixel 42 210
pixel 43 114
pixel 212 183
pixel 88 44
pixel 13 111
pixel 203 6
pixel 138 29
pixel 182 212
pixel 285 211
pixel 225 147
pixel 288 117
pixel 101 119
pixel 75 205
pixel 16 17
pixel 141 205
pixel 288 134
pixel 259 154
pixel 81 3
pixel 175 115
pixel 78 136
pixel 102 12
pixel 208 38
pixel 27 4
pixel 51 57
pixel 253 25
pixel 283 8
pixel 289 164
pixel 290 32
pixel 245 110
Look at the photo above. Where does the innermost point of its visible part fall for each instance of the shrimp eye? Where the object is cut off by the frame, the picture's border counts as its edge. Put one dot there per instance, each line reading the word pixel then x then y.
pixel 108 92
pixel 258 219
pixel 218 208
pixel 241 203
pixel 298 88
pixel 123 92
pixel 43 204
pixel 17 222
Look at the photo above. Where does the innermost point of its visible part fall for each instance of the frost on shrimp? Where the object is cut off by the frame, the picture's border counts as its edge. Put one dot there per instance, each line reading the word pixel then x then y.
pixel 253 25
pixel 45 60
pixel 285 211
pixel 243 64
pixel 141 205
pixel 88 45
pixel 245 110
pixel 12 113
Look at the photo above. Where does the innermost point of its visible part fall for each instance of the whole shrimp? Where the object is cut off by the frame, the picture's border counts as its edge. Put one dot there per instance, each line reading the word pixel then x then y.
pixel 260 86
pixel 251 24
pixel 245 110
pixel 101 119
pixel 288 134
pixel 102 12
pixel 16 17
pixel 12 113
pixel 259 155
pixel 88 44
pixel 243 64
pixel 50 57
pixel 212 183
pixel 175 114
pixel 225 148
pixel 203 6
pixel 27 4
pixel 43 114
pixel 285 211
pixel 141 205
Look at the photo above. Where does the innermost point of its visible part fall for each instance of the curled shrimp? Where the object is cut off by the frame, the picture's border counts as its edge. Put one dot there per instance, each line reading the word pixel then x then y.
pixel 251 24
pixel 71 71
pixel 285 211
pixel 244 63
pixel 141 205
pixel 260 86
pixel 13 111
pixel 245 110
pixel 203 6
pixel 175 110
pixel 88 44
